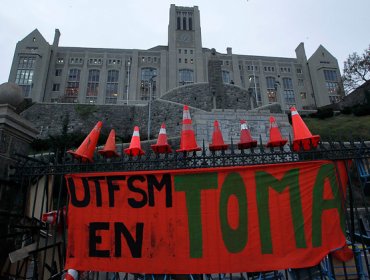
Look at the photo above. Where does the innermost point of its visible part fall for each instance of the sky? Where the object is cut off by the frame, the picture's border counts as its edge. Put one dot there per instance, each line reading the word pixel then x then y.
pixel 249 27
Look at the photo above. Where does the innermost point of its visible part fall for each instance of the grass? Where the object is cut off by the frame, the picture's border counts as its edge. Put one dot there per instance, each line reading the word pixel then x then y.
pixel 341 127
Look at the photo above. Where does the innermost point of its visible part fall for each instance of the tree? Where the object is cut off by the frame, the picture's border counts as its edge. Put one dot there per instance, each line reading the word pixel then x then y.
pixel 356 70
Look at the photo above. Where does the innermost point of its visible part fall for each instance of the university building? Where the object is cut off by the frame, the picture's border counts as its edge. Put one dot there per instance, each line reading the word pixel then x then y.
pixel 52 73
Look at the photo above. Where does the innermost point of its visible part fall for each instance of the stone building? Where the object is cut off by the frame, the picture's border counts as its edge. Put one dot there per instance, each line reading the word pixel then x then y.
pixel 52 73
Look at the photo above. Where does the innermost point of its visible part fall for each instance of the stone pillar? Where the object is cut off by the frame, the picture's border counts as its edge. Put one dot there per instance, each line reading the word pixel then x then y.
pixel 215 80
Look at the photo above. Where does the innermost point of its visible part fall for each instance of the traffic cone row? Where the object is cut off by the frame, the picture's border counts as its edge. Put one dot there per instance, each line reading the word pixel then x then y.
pixel 276 140
pixel 303 139
pixel 188 142
pixel 246 140
pixel 162 145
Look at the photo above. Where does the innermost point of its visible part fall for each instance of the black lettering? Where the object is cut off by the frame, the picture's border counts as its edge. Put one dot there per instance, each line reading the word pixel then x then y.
pixel 96 239
pixel 72 191
pixel 113 187
pixel 165 181
pixel 130 183
pixel 96 180
pixel 134 245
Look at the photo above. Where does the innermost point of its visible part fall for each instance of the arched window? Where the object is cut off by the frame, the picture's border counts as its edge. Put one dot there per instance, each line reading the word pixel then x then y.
pixel 288 92
pixel 73 86
pixel 225 77
pixel 111 89
pixel 186 76
pixel 148 85
pixel 271 89
pixel 92 86
pixel 184 23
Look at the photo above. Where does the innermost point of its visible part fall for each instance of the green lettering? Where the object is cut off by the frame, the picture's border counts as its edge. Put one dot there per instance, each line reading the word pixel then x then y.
pixel 192 185
pixel 264 181
pixel 234 239
pixel 319 204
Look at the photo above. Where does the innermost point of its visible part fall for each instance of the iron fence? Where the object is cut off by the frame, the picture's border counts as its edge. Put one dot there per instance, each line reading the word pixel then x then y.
pixel 36 250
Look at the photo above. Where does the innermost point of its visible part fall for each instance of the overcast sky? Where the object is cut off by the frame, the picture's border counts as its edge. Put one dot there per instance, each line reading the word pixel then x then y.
pixel 253 27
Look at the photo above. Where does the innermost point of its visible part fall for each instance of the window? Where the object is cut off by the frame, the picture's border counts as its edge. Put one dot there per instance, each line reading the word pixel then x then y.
pixel 299 70
pixel 300 82
pixel 186 76
pixel 73 85
pixel 178 23
pixel 184 23
pixel 179 60
pixel 225 77
pixel 179 51
pixel 284 69
pixel 25 71
pixel 186 60
pixel 190 23
pixel 254 88
pixel 252 68
pixel 191 61
pixel 58 72
pixel 56 87
pixel 271 89
pixel 269 69
pixel 303 96
pixel 60 60
pixel 92 86
pixel 288 92
pixel 331 81
pixel 185 51
pixel 191 51
pixel 148 86
pixel 111 89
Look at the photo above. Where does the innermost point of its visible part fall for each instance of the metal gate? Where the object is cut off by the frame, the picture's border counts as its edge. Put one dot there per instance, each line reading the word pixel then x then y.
pixel 37 250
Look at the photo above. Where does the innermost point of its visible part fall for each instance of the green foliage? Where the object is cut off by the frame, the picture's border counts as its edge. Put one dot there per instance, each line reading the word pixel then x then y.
pixel 323 113
pixel 342 127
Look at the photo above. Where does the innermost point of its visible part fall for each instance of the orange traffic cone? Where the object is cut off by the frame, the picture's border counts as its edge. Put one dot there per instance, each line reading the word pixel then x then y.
pixel 276 140
pixel 302 135
pixel 71 274
pixel 135 146
pixel 162 145
pixel 187 142
pixel 110 146
pixel 246 140
pixel 86 150
pixel 217 139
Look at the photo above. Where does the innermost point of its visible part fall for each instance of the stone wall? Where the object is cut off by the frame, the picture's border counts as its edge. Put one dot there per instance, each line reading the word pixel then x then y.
pixel 199 96
pixel 229 121
pixel 49 118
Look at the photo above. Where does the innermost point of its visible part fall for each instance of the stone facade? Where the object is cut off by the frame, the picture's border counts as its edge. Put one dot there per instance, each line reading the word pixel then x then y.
pixel 52 73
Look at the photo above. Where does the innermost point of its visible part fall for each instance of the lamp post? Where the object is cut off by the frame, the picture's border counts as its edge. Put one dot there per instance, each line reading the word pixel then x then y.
pixel 150 103
pixel 255 86
pixel 128 79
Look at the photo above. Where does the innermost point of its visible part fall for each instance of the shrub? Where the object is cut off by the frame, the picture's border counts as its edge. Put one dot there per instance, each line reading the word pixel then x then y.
pixel 346 110
pixel 361 110
pixel 323 113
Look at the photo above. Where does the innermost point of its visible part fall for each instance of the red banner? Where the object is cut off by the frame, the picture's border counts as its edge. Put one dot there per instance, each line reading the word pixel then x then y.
pixel 239 219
